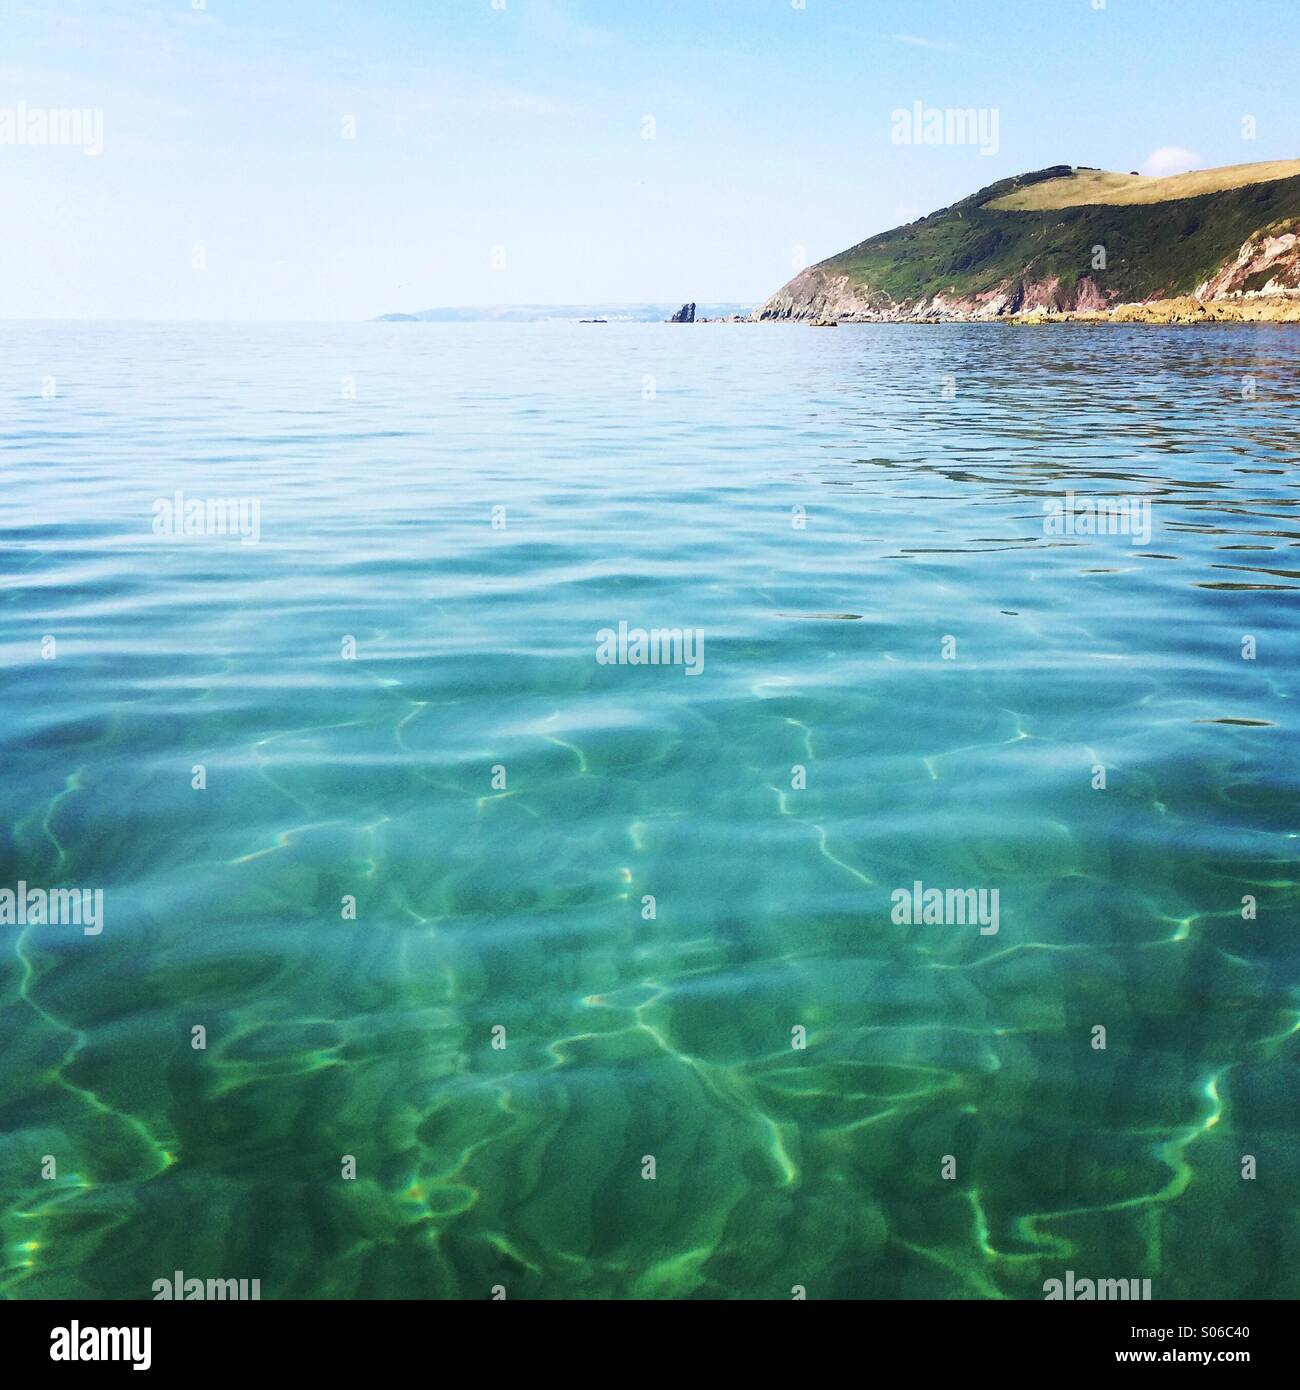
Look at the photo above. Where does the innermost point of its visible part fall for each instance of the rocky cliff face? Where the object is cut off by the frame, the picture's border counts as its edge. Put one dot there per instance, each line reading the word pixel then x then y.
pixel 1268 263
pixel 978 261
pixel 817 294
pixel 820 294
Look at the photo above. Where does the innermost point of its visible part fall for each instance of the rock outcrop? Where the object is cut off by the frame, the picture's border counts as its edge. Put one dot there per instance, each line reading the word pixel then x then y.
pixel 1268 263
pixel 1183 309
pixel 686 314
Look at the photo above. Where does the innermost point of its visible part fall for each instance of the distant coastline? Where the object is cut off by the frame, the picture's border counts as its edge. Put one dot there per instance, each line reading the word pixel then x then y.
pixel 1180 310
pixel 563 313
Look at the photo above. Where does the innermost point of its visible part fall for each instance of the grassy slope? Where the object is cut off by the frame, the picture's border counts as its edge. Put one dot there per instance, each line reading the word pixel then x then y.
pixel 1162 248
pixel 1099 186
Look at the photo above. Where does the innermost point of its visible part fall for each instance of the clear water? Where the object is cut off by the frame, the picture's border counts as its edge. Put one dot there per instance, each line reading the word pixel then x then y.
pixel 648 475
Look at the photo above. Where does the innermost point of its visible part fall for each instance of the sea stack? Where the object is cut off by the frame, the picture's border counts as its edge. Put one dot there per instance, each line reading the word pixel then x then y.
pixel 686 314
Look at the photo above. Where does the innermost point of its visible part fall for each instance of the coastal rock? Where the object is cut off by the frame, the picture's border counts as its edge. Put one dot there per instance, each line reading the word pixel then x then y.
pixel 815 294
pixel 1268 263
pixel 1181 309
pixel 1057 242
pixel 686 314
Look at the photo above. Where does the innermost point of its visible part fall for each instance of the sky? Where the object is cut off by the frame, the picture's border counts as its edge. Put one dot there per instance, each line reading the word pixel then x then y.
pixel 323 160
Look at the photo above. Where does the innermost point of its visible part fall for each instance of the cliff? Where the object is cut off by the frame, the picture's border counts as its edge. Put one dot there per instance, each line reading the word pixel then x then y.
pixel 1065 240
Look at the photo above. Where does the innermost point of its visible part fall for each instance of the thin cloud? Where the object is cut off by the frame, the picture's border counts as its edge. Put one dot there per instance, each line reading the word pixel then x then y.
pixel 1170 159
pixel 923 43
pixel 939 45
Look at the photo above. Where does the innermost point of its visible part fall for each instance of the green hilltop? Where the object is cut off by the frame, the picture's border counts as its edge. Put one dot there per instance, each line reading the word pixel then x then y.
pixel 1023 239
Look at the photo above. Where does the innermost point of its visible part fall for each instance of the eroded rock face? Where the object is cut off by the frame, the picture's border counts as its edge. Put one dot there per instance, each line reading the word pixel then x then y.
pixel 1268 263
pixel 1088 296
pixel 814 295
pixel 686 314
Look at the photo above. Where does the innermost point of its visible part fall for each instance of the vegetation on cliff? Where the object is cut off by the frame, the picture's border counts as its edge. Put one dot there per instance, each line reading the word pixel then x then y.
pixel 1023 243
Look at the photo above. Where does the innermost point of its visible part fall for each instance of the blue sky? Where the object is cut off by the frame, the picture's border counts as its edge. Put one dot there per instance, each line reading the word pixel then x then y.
pixel 499 153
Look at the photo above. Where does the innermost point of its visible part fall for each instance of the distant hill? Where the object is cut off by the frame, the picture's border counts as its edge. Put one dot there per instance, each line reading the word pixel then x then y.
pixel 1030 244
pixel 541 313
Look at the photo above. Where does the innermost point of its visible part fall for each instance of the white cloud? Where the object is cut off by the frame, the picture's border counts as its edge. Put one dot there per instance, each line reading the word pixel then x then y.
pixel 1170 159
pixel 917 42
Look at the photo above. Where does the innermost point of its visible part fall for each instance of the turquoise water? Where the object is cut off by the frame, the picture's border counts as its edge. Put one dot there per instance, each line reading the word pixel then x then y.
pixel 649 475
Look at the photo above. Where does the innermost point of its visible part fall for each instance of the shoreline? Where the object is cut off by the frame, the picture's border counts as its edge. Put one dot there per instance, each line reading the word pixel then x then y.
pixel 1179 311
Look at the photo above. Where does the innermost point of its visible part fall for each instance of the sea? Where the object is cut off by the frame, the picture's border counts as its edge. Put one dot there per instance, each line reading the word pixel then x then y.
pixel 644 811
